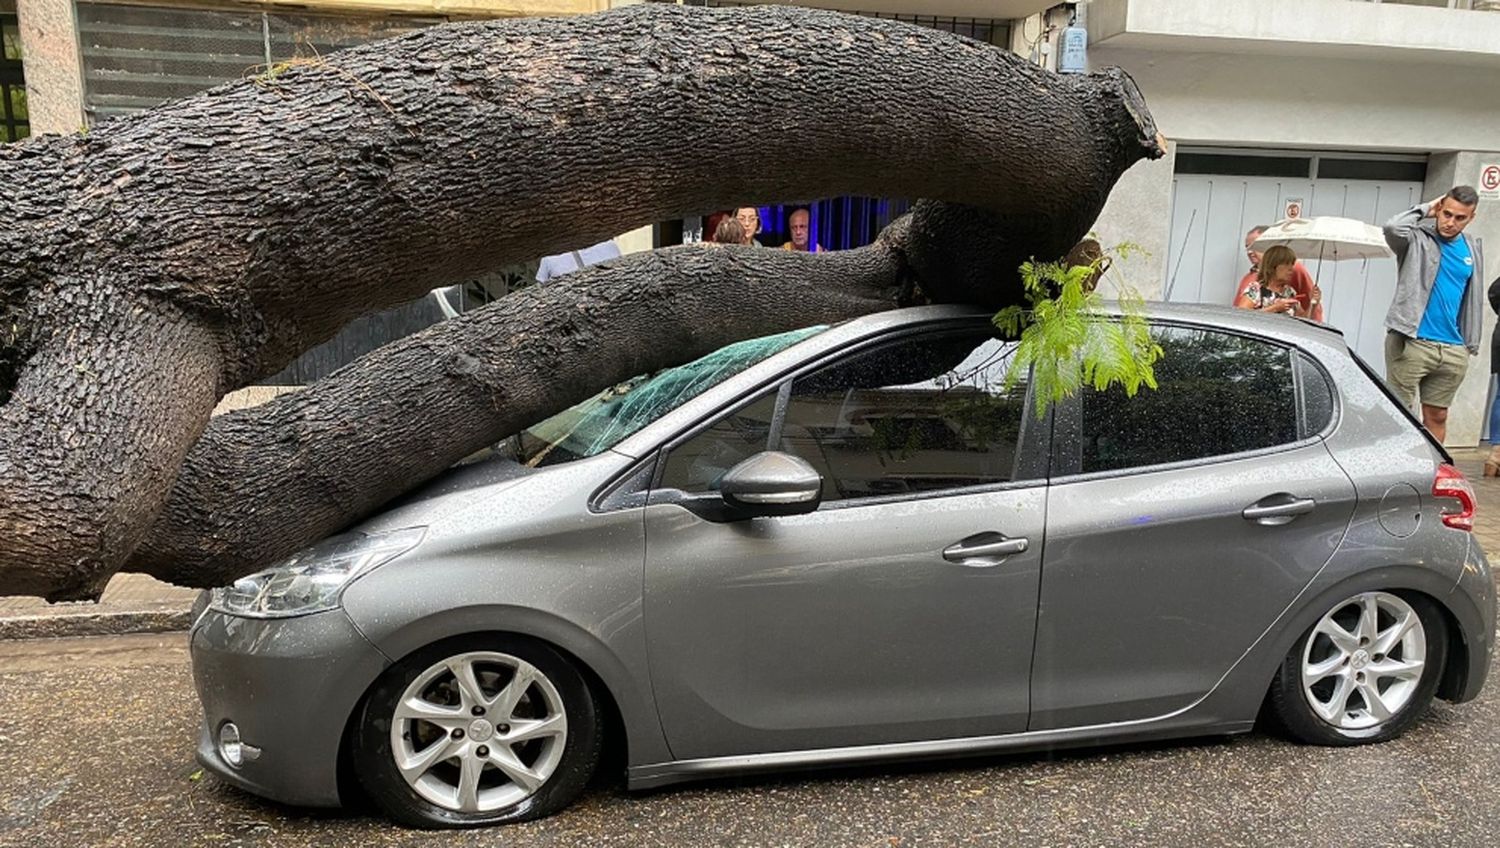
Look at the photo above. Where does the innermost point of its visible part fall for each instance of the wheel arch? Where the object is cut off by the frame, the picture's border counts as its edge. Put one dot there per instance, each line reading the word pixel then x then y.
pixel 1458 611
pixel 625 703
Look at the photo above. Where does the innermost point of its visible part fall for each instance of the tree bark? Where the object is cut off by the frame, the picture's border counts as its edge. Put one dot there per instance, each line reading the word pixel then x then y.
pixel 264 482
pixel 243 225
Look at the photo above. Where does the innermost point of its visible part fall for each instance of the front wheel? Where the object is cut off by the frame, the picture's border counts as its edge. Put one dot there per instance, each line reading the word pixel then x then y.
pixel 1364 673
pixel 477 731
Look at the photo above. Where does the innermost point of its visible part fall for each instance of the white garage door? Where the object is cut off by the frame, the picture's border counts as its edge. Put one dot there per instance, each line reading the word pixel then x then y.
pixel 1211 213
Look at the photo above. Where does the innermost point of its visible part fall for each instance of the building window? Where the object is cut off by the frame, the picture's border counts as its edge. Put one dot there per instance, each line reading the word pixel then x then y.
pixel 135 57
pixel 15 122
pixel 1310 165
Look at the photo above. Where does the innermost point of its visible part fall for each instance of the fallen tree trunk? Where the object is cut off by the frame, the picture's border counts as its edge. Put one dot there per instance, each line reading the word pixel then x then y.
pixel 263 482
pixel 243 225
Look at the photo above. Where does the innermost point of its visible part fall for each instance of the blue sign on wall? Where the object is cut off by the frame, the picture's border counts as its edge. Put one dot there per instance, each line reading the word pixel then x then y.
pixel 1073 52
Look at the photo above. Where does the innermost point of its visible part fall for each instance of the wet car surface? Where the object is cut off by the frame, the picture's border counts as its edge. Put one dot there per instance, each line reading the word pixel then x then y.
pixel 861 544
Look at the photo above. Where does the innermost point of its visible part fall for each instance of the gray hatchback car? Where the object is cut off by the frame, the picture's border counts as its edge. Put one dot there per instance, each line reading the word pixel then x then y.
pixel 863 543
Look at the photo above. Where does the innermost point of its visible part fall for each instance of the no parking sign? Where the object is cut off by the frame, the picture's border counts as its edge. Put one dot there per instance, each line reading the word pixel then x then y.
pixel 1489 180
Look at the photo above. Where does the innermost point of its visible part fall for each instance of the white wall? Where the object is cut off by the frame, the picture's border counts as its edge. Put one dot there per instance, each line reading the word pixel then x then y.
pixel 1383 32
pixel 1277 102
pixel 1282 101
pixel 1139 212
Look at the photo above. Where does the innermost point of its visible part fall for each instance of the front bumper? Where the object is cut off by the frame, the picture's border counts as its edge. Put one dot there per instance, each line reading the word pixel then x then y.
pixel 290 685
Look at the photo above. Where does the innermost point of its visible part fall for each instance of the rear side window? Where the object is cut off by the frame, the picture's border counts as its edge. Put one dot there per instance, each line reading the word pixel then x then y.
pixel 1317 396
pixel 1217 394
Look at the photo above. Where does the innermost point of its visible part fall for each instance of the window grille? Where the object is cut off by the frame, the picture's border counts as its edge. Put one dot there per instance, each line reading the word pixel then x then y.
pixel 135 57
pixel 15 122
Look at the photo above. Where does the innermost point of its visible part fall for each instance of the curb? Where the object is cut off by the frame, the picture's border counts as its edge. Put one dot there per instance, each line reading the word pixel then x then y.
pixel 94 624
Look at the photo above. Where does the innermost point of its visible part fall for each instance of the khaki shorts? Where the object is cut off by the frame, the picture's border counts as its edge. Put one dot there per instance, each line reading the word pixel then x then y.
pixel 1433 368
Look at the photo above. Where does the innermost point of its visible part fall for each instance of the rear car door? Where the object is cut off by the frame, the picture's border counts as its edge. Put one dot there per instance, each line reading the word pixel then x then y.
pixel 1181 522
pixel 870 620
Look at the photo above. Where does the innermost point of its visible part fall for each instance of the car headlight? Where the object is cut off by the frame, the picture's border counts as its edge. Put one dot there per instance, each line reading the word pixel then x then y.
pixel 313 580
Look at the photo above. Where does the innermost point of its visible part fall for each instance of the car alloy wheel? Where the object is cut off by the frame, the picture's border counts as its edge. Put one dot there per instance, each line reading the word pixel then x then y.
pixel 475 731
pixel 1364 672
pixel 478 732
pixel 1364 662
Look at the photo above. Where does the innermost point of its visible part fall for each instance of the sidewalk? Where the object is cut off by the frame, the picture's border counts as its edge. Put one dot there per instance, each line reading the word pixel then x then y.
pixel 136 603
pixel 132 603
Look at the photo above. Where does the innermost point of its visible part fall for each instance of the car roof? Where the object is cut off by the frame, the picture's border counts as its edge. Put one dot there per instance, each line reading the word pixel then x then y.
pixel 1280 327
pixel 1277 327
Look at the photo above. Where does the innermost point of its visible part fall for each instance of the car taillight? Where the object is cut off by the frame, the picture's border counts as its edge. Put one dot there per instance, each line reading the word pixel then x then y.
pixel 1451 483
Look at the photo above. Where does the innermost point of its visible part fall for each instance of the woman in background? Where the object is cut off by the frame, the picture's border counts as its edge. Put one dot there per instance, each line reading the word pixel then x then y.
pixel 1272 289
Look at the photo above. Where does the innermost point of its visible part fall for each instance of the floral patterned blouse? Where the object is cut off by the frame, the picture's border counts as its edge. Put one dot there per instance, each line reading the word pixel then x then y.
pixel 1263 295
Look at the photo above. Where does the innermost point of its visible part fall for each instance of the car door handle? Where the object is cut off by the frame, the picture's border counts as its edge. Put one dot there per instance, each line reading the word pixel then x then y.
pixel 985 549
pixel 1278 509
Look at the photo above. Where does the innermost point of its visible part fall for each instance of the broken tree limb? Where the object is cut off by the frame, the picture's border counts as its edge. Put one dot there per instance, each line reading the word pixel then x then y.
pixel 269 212
pixel 266 481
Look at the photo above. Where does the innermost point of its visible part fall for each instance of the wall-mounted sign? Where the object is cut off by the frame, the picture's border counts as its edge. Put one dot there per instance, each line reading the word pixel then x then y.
pixel 1489 180
pixel 1293 208
pixel 1074 55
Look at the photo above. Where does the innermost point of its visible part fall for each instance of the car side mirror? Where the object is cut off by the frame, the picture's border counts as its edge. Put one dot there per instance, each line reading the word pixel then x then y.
pixel 772 483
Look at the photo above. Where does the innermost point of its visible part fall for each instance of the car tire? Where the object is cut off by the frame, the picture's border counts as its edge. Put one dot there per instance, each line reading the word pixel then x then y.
pixel 1364 673
pixel 435 751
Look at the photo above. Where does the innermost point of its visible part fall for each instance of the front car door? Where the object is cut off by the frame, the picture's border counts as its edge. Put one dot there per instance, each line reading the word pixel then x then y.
pixel 850 625
pixel 1181 523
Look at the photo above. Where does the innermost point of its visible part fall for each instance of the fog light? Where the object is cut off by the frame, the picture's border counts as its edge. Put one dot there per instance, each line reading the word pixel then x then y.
pixel 229 744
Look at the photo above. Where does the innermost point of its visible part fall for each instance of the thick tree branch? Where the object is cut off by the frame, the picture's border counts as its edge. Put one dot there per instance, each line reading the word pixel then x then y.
pixel 263 482
pixel 257 218
pixel 72 496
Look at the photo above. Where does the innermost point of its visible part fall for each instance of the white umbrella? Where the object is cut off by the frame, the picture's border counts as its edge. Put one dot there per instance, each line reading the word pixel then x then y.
pixel 1329 237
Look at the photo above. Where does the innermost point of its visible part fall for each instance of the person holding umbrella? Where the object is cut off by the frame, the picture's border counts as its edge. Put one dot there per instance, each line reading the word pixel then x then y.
pixel 1311 304
pixel 1437 314
pixel 1273 287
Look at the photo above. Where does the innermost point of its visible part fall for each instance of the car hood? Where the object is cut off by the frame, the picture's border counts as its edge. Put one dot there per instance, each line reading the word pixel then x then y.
pixel 452 491
pixel 491 492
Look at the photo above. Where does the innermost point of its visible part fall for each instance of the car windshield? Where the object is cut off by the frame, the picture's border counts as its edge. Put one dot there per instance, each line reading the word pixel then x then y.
pixel 605 420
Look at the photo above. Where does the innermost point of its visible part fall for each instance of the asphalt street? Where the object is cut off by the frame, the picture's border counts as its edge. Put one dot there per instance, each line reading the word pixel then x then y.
pixel 97 736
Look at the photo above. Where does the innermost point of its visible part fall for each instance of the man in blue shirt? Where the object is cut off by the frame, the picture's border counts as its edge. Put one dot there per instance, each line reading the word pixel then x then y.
pixel 1437 313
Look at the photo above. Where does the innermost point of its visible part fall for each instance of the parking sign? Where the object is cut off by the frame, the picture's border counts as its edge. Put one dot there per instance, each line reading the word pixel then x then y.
pixel 1489 180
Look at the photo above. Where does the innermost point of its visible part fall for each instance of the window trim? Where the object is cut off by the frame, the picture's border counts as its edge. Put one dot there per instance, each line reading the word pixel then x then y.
pixel 1034 439
pixel 1067 426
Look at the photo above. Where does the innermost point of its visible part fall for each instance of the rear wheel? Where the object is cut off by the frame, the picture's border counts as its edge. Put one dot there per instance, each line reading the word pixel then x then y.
pixel 1364 673
pixel 477 731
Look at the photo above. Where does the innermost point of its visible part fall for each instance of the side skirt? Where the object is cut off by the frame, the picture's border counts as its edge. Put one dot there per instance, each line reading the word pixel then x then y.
pixel 653 775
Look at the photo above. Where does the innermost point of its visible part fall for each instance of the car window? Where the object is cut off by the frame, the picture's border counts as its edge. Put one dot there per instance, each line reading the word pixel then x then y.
pixel 1217 394
pixel 697 464
pixel 923 414
pixel 1317 396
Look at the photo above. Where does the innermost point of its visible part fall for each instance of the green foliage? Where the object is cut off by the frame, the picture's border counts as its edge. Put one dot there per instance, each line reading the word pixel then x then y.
pixel 1068 340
